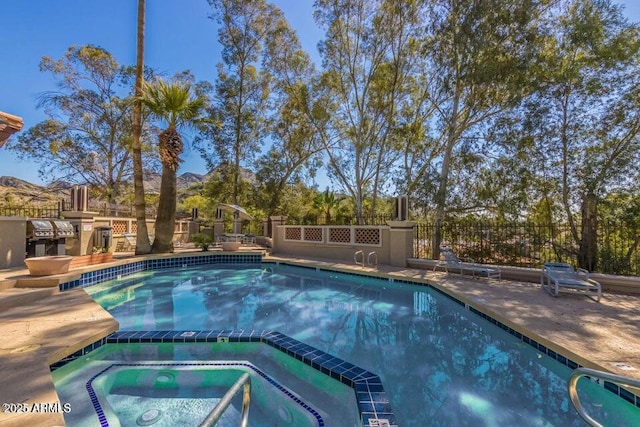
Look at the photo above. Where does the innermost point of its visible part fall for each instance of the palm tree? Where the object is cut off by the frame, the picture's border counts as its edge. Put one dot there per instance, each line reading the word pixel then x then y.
pixel 143 246
pixel 175 104
pixel 325 203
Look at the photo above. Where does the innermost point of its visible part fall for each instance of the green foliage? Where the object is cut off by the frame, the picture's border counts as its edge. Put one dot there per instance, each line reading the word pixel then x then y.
pixel 87 135
pixel 174 102
pixel 367 60
pixel 179 106
pixel 202 240
pixel 242 89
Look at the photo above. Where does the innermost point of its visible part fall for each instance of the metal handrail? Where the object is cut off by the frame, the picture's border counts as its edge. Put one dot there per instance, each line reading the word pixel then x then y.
pixel 369 259
pixel 243 382
pixel 355 258
pixel 573 388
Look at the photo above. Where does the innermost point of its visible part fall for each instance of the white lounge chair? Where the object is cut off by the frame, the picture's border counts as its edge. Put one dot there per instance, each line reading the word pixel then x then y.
pixel 559 277
pixel 465 265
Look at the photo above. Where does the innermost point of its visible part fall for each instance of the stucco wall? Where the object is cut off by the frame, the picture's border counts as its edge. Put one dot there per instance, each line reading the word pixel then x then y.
pixel 13 231
pixel 340 252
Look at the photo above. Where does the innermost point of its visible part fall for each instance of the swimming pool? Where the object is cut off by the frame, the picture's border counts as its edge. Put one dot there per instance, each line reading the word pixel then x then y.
pixel 440 363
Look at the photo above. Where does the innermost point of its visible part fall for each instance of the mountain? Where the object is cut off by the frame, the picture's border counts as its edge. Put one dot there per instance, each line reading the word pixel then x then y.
pixel 184 181
pixel 17 190
pixel 10 181
pixel 188 178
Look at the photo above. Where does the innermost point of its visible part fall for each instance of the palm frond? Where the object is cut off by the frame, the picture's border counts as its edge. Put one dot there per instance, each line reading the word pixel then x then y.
pixel 174 102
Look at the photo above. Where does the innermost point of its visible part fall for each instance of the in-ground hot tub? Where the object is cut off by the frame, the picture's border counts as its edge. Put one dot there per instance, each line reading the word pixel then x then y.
pixel 169 384
pixel 185 393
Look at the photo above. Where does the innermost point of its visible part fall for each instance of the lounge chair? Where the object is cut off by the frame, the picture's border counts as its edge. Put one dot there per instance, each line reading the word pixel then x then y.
pixel 249 239
pixel 559 277
pixel 465 265
pixel 130 242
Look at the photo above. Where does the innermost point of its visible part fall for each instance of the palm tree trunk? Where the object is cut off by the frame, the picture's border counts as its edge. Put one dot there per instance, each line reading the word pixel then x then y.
pixel 170 147
pixel 142 236
pixel 166 218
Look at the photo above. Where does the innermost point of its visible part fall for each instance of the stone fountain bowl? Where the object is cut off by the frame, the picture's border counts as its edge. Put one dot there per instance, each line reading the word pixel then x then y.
pixel 48 265
pixel 230 246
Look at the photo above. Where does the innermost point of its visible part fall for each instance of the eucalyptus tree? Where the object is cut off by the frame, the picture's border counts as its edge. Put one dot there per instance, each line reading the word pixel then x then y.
pixel 365 62
pixel 176 105
pixel 589 107
pixel 143 246
pixel 242 89
pixel 87 136
pixel 293 155
pixel 480 54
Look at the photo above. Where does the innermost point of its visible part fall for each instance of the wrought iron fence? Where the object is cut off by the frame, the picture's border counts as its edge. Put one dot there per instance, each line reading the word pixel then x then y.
pixel 112 209
pixel 531 245
pixel 101 208
pixel 31 211
pixel 340 220
pixel 116 210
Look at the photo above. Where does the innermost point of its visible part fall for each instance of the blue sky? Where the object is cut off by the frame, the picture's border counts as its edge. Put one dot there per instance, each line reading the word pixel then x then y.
pixel 179 36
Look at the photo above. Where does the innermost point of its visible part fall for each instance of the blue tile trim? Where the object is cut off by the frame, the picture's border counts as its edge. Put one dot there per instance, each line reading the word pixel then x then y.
pixel 94 399
pixel 86 350
pixel 374 405
pixel 115 272
pixel 103 420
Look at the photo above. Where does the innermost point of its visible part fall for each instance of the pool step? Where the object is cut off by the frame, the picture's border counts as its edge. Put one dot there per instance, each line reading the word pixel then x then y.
pixel 14 297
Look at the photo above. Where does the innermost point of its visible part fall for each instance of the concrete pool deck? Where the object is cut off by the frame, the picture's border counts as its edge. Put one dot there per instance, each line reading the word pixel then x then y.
pixel 42 326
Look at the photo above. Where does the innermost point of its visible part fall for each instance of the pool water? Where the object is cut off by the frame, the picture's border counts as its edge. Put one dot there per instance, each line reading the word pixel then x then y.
pixel 440 364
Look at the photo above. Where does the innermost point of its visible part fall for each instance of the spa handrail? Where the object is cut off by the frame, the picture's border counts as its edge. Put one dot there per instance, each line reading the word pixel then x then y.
pixel 581 372
pixel 243 382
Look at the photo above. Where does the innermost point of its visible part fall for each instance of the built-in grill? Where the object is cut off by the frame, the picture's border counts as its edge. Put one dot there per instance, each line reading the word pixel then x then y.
pixel 40 232
pixel 63 230
pixel 39 229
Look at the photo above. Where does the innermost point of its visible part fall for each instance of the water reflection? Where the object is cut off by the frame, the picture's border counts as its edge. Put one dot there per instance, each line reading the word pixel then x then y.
pixel 440 364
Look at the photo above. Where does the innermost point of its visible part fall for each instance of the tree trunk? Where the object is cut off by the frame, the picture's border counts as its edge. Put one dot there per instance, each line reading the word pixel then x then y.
pixel 166 219
pixel 440 200
pixel 143 245
pixel 170 147
pixel 588 253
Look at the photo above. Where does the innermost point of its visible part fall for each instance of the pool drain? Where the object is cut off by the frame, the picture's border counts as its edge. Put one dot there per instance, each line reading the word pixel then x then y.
pixel 285 414
pixel 164 377
pixel 149 417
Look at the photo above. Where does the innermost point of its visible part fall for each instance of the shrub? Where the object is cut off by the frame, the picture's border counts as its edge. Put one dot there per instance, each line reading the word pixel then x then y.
pixel 202 240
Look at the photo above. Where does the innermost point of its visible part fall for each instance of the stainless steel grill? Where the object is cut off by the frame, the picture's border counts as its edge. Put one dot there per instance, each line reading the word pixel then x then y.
pixel 62 229
pixel 39 229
